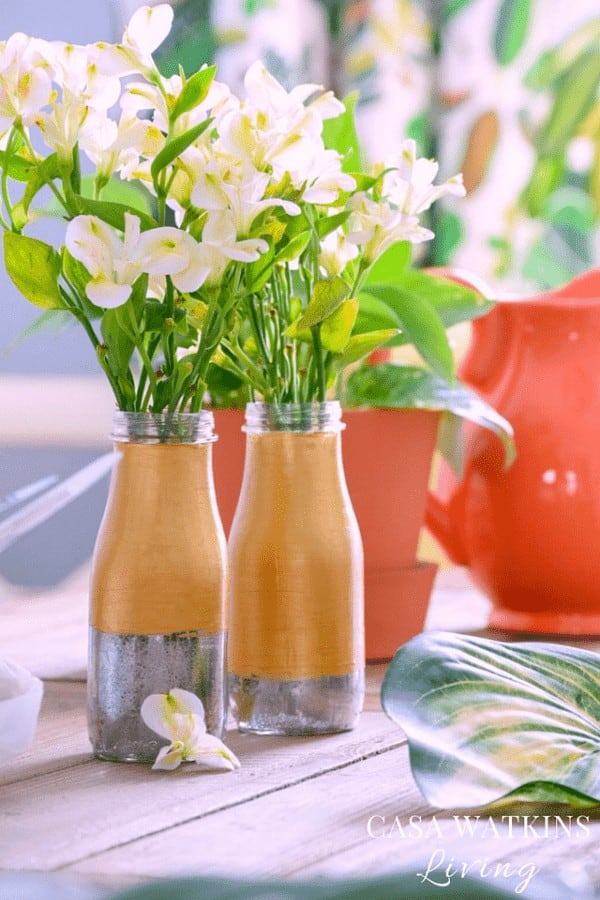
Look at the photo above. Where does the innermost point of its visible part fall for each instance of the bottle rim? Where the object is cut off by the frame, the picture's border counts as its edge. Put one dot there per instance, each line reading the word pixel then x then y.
pixel 163 428
pixel 306 418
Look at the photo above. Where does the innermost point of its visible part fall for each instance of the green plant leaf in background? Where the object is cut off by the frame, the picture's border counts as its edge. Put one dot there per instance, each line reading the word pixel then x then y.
pixel 390 386
pixel 575 95
pixel 421 325
pixel 191 41
pixel 452 301
pixel 390 265
pixel 511 29
pixel 551 64
pixel 487 720
pixel 340 134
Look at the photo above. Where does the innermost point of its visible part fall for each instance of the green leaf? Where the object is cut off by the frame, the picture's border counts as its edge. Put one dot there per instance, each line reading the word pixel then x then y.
pixel 552 64
pixel 34 268
pixel 453 302
pixel 75 273
pixel 361 345
pixel 486 720
pixel 547 175
pixel 389 266
pixel 294 248
pixel 51 321
pixel 511 29
pixel 194 91
pixel 114 213
pixel 336 329
pixel 411 387
pixel 17 167
pixel 43 174
pixel 452 7
pixel 259 272
pixel 421 325
pixel 327 224
pixel 176 147
pixel 327 295
pixel 576 94
pixel 449 233
pixel 572 207
pixel 374 314
pixel 115 336
pixel 340 134
pixel 405 883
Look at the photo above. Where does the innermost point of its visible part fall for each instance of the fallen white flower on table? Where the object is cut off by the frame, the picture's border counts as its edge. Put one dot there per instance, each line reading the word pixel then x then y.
pixel 179 717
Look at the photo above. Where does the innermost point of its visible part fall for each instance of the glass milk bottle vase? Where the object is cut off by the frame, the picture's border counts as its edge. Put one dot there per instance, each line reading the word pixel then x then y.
pixel 296 637
pixel 158 582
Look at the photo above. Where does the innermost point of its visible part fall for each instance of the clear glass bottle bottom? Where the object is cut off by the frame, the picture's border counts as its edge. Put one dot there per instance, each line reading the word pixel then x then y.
pixel 126 668
pixel 305 706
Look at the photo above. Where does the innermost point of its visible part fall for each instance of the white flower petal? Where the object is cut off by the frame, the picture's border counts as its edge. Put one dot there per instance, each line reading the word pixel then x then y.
pixel 148 27
pixel 107 294
pixel 168 758
pixel 213 754
pixel 187 702
pixel 155 713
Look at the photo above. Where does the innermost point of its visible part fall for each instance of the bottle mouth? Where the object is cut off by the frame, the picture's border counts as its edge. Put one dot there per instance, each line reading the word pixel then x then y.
pixel 305 418
pixel 163 428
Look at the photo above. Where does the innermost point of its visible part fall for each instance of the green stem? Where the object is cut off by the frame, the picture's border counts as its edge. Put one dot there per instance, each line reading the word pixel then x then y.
pixel 5 194
pixel 319 363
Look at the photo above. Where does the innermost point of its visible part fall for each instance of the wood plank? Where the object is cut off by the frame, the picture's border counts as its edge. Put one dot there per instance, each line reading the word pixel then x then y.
pixel 61 739
pixel 106 804
pixel 320 828
pixel 46 633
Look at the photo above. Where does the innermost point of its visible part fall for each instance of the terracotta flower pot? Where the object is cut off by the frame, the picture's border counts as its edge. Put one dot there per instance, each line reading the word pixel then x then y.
pixel 387 458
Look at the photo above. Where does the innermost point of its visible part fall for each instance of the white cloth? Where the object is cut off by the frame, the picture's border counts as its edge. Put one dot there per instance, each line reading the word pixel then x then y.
pixel 20 699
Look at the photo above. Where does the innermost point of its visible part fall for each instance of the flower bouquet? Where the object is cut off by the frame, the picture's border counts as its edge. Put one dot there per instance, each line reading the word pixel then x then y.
pixel 214 241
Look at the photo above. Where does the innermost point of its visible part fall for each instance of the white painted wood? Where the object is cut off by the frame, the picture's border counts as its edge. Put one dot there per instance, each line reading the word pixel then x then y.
pixel 107 804
pixel 55 410
pixel 321 828
pixel 297 808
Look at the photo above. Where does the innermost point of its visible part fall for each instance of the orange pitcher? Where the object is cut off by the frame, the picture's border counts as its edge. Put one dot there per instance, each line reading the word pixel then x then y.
pixel 530 534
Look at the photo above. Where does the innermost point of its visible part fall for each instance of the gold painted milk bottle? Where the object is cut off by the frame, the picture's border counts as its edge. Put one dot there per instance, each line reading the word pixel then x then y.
pixel 158 582
pixel 296 634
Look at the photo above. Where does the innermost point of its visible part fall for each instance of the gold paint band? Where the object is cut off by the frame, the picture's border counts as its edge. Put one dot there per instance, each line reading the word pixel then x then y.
pixel 160 559
pixel 296 567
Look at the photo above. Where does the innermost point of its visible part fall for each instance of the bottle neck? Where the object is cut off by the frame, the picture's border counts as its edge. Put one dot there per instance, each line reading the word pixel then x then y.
pixel 305 418
pixel 163 428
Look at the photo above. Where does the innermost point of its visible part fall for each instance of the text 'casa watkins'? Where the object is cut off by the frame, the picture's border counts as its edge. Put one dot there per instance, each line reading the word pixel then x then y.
pixel 485 827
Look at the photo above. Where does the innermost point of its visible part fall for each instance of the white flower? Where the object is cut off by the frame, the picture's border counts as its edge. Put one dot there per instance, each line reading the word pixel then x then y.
pixel 276 129
pixel 147 29
pixel 329 181
pixel 242 193
pixel 162 95
pixel 375 226
pixel 118 147
pixel 75 70
pixel 409 185
pixel 336 252
pixel 115 264
pixel 25 82
pixel 179 717
pixel 61 127
pixel 81 102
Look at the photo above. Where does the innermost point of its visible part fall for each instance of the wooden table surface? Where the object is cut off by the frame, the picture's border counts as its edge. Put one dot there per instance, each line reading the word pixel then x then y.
pixel 339 805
